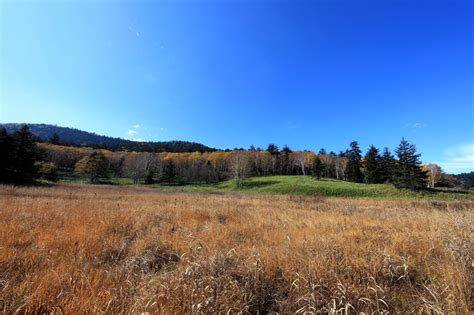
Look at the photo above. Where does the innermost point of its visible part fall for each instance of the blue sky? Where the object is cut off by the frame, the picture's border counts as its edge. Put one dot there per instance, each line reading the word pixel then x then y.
pixel 308 74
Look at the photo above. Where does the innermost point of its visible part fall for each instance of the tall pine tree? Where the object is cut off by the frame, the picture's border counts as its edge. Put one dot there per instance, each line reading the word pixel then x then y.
pixel 6 160
pixel 54 139
pixel 372 166
pixel 408 173
pixel 273 149
pixel 23 156
pixel 388 165
pixel 318 168
pixel 285 160
pixel 353 172
pixel 169 174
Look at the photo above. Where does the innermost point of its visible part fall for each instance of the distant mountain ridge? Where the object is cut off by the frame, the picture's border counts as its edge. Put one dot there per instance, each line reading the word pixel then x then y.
pixel 76 137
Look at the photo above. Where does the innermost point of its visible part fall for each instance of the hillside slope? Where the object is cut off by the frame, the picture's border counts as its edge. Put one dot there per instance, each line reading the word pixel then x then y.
pixel 76 137
pixel 306 185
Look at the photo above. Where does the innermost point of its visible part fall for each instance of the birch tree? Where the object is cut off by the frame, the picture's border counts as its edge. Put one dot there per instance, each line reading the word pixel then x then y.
pixel 299 159
pixel 435 174
pixel 141 165
pixel 239 165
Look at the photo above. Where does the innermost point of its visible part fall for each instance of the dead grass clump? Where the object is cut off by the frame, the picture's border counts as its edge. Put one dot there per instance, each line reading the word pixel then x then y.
pixel 218 284
pixel 150 260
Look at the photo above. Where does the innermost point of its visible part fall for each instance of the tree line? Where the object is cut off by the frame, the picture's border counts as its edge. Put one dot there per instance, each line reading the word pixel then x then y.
pixel 24 160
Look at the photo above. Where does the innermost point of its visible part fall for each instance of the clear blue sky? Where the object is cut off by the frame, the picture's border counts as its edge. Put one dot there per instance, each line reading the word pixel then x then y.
pixel 309 74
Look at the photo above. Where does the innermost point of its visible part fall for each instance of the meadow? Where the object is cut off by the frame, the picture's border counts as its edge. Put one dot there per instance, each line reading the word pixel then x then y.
pixel 134 249
pixel 298 185
pixel 308 186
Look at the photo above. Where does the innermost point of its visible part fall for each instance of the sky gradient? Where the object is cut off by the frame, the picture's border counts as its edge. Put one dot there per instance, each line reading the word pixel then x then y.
pixel 308 74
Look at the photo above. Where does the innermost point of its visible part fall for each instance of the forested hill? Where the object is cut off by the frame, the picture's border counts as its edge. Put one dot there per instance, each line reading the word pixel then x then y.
pixel 76 137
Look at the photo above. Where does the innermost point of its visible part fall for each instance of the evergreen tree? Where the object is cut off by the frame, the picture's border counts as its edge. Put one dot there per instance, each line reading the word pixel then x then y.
pixel 149 178
pixel 322 151
pixel 120 166
pixel 353 172
pixel 6 147
pixel 372 166
pixel 54 139
pixel 94 167
pixel 23 156
pixel 387 166
pixel 169 174
pixel 18 154
pixel 408 173
pixel 286 150
pixel 273 149
pixel 318 167
pixel 275 153
pixel 285 160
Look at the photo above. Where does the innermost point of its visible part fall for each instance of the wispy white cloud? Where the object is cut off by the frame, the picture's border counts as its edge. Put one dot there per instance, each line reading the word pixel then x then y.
pixel 136 139
pixel 133 132
pixel 162 129
pixel 415 126
pixel 458 159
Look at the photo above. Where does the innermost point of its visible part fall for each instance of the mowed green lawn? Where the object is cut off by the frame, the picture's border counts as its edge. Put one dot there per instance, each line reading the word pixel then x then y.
pixel 307 185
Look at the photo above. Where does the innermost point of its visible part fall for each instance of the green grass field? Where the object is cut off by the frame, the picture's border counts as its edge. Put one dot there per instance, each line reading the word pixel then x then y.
pixel 296 185
pixel 306 185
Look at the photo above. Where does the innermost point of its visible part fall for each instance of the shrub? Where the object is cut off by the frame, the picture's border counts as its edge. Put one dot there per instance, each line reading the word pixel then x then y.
pixel 47 170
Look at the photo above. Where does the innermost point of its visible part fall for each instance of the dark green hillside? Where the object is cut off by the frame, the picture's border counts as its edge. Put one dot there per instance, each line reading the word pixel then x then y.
pixel 76 137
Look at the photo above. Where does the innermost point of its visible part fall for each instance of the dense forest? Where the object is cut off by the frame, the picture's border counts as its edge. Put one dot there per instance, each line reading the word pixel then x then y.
pixel 75 137
pixel 24 159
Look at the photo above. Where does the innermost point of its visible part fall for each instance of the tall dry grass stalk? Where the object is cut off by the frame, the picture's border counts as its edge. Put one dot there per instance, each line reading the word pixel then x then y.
pixel 95 249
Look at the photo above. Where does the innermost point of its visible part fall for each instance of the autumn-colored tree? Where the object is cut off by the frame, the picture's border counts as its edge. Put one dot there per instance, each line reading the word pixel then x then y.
pixel 47 170
pixel 239 164
pixel 141 166
pixel 93 167
pixel 435 174
pixel 299 159
pixel 340 165
pixel 266 162
pixel 218 161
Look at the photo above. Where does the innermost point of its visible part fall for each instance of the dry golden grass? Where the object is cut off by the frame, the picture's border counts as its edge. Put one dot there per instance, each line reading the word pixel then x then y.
pixel 96 249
